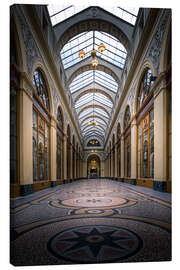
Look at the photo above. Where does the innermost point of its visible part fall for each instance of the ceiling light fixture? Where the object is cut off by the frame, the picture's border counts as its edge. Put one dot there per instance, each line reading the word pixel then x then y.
pixel 101 48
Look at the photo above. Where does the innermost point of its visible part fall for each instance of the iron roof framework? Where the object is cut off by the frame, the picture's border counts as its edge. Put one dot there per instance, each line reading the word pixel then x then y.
pixel 92 105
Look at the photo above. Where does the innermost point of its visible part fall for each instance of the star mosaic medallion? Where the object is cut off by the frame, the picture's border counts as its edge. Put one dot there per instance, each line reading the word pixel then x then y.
pixel 95 244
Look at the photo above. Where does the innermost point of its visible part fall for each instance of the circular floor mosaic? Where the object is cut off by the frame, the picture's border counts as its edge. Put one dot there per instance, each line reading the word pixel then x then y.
pixel 91 240
pixel 94 244
pixel 93 202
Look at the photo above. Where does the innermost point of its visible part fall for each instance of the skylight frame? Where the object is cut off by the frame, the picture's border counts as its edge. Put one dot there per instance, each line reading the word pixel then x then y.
pixel 93 131
pixel 95 117
pixel 90 127
pixel 111 53
pixel 131 18
pixel 100 77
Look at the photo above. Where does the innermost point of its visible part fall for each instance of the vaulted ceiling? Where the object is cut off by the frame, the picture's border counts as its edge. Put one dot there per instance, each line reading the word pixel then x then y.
pixel 93 90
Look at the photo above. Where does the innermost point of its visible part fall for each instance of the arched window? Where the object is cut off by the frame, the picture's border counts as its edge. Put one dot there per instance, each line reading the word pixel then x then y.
pixel 41 123
pixel 127 143
pixel 145 87
pixel 118 150
pixel 145 128
pixel 59 153
pixel 40 88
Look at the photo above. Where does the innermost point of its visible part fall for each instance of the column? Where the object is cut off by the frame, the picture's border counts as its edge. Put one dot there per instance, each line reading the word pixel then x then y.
pixel 160 139
pixel 102 168
pixel 75 165
pixel 25 143
pixel 65 158
pixel 122 159
pixel 111 163
pixel 53 138
pixel 133 151
pixel 115 149
pixel 85 169
pixel 71 160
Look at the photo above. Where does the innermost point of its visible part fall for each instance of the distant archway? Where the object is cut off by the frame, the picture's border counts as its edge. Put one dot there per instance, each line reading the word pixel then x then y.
pixel 93 166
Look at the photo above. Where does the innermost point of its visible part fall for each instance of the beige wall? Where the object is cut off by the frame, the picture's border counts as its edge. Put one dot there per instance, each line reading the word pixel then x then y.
pixel 26 151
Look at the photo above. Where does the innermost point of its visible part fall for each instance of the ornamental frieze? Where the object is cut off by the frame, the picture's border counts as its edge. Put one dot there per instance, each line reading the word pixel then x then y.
pixel 31 49
pixel 155 48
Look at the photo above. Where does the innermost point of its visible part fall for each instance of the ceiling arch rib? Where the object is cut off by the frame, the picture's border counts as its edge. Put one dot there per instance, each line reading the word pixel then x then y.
pixel 93 91
pixel 115 52
pixel 94 136
pixel 93 76
pixel 98 127
pixel 94 131
pixel 99 123
pixel 88 67
pixel 98 109
pixel 87 119
pixel 93 98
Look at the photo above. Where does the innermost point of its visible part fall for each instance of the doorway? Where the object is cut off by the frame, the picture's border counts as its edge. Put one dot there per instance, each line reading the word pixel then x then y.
pixel 93 167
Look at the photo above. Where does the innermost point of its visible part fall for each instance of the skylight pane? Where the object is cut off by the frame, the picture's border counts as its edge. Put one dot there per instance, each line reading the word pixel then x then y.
pixel 113 53
pixel 101 112
pixel 64 12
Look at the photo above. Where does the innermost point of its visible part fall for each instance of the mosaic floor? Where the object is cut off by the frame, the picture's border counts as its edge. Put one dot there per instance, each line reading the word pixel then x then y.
pixel 90 221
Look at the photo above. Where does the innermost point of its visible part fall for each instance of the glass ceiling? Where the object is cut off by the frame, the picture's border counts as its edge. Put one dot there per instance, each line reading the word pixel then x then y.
pixel 115 52
pixel 87 98
pixel 93 106
pixel 93 76
pixel 63 12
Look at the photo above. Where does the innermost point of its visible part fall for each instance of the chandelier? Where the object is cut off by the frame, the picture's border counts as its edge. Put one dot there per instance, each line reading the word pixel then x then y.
pixel 93 142
pixel 93 123
pixel 101 48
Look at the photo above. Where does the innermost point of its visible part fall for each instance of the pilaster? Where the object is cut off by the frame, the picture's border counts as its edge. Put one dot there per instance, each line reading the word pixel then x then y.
pixel 160 138
pixel 53 146
pixel 65 156
pixel 133 151
pixel 25 146
pixel 122 157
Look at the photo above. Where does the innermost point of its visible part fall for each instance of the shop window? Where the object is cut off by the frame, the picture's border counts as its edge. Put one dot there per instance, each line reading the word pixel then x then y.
pixel 41 123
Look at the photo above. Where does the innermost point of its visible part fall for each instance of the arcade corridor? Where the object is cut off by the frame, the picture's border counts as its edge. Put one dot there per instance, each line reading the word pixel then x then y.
pixel 90 134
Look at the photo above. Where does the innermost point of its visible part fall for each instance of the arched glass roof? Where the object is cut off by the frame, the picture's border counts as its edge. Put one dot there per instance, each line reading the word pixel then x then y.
pixel 93 91
pixel 60 13
pixel 115 52
pixel 93 106
pixel 91 77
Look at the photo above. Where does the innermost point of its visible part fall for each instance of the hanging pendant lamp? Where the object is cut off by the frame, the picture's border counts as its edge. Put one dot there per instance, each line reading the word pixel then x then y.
pixel 101 48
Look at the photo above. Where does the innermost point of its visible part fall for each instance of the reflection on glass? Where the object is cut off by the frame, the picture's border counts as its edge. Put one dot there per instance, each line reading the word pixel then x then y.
pixel 41 157
pixel 146 146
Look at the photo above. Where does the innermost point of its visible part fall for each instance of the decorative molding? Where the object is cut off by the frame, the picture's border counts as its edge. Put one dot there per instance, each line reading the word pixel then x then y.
pixel 90 25
pixel 31 49
pixel 155 47
pixel 93 11
pixel 90 67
